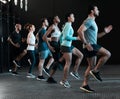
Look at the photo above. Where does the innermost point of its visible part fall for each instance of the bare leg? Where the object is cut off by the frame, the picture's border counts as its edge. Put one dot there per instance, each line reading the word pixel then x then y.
pixel 53 70
pixel 105 55
pixel 68 58
pixel 79 55
pixel 21 55
pixel 51 60
pixel 91 62
pixel 40 66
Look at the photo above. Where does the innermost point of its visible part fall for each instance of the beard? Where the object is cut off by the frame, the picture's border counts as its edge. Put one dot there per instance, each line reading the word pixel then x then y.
pixel 96 14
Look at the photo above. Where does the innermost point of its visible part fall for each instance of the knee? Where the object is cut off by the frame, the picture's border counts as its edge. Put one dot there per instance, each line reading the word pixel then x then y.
pixel 52 59
pixel 80 56
pixel 68 63
pixel 108 54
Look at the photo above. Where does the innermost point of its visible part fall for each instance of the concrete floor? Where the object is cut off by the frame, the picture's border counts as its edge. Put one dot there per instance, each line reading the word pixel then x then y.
pixel 20 87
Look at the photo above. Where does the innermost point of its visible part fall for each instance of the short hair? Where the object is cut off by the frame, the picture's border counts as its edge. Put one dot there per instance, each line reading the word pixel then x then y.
pixel 17 25
pixel 91 7
pixel 43 20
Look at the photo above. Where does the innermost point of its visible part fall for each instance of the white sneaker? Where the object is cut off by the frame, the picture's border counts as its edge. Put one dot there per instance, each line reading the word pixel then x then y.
pixel 75 74
pixel 29 75
pixel 46 71
pixel 16 63
pixel 65 84
pixel 29 61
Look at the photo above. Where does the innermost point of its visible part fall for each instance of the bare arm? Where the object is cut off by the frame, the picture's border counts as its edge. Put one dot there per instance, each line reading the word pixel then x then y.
pixel 48 32
pixel 37 38
pixel 81 31
pixel 46 39
pixel 106 31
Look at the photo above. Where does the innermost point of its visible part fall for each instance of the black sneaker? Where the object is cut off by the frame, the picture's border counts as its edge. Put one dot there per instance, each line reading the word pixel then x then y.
pixel 86 88
pixel 51 80
pixel 96 75
pixel 46 71
pixel 14 73
pixel 16 63
pixel 41 78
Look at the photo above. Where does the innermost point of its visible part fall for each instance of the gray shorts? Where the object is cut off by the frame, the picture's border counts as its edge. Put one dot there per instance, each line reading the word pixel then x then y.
pixel 45 54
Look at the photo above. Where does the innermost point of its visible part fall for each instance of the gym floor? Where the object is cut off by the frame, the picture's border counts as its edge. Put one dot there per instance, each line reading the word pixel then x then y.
pixel 20 87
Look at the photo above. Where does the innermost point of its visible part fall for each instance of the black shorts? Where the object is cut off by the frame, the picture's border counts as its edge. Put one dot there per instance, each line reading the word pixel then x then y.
pixel 14 52
pixel 56 46
pixel 72 47
pixel 91 53
pixel 65 49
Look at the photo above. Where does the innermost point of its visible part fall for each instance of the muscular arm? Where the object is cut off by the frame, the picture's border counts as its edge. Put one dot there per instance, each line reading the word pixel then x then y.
pixel 106 31
pixel 48 32
pixel 80 32
pixel 37 38
pixel 46 39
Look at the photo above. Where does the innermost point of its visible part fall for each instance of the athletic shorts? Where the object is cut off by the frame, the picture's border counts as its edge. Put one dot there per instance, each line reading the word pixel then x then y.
pixel 45 54
pixel 65 49
pixel 89 54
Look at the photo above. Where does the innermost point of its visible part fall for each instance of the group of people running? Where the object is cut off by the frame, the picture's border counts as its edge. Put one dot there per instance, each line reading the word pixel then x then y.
pixel 56 44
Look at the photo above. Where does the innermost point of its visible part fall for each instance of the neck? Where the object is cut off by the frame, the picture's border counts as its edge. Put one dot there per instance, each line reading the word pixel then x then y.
pixel 30 31
pixel 69 22
pixel 91 16
pixel 44 27
pixel 17 31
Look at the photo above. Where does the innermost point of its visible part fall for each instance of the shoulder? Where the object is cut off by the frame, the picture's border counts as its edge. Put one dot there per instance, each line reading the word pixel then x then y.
pixel 88 22
pixel 67 25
